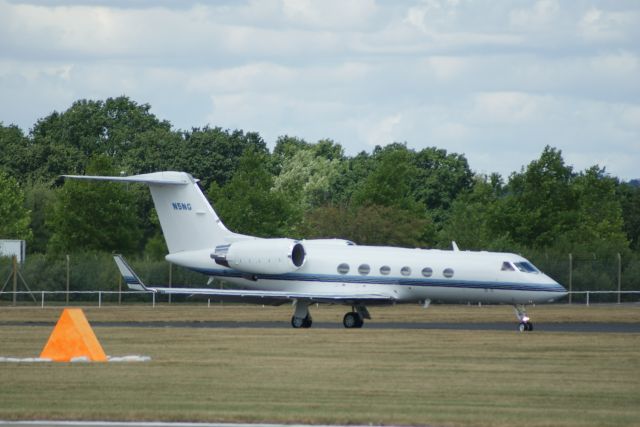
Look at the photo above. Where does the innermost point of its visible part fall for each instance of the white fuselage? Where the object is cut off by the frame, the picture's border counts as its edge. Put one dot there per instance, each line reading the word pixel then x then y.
pixel 333 271
pixel 405 275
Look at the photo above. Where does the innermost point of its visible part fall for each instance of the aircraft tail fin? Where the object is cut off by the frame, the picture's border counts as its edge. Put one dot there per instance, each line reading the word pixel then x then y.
pixel 187 219
pixel 130 277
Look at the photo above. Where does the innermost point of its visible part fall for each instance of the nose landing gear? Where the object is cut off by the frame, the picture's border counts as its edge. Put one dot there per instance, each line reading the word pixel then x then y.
pixel 525 324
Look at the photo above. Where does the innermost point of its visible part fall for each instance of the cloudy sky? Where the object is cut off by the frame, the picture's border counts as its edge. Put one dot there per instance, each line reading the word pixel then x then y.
pixel 494 80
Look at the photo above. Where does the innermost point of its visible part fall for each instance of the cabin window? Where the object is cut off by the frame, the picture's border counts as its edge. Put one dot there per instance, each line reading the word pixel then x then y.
pixel 364 269
pixel 406 271
pixel 448 273
pixel 526 267
pixel 343 268
pixel 385 270
pixel 427 271
pixel 506 266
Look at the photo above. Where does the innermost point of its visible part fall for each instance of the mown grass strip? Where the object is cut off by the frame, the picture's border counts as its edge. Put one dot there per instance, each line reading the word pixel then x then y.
pixel 554 313
pixel 411 377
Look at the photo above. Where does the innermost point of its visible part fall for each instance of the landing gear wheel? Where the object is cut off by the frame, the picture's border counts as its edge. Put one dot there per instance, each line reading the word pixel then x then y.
pixel 296 322
pixel 352 320
pixel 307 322
pixel 299 322
pixel 525 327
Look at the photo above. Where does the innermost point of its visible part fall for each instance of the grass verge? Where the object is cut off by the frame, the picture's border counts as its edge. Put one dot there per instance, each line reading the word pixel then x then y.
pixel 553 313
pixel 408 377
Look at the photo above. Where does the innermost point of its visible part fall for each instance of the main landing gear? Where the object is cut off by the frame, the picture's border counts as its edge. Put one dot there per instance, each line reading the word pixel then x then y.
pixel 354 319
pixel 301 316
pixel 305 322
pixel 525 324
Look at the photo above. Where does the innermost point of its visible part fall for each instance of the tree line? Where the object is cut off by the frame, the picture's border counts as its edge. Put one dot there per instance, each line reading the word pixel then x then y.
pixel 393 195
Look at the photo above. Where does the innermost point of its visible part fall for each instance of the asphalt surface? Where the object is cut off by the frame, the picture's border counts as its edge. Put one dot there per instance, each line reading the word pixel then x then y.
pixel 135 424
pixel 587 327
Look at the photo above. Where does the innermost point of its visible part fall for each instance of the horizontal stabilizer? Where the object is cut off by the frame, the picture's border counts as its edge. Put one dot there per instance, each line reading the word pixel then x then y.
pixel 159 178
pixel 130 277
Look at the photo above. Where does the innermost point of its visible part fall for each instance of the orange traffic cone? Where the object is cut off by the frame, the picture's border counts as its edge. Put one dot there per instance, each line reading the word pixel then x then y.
pixel 73 338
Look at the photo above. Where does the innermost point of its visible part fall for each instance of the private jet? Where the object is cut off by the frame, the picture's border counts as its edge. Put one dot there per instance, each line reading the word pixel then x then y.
pixel 274 271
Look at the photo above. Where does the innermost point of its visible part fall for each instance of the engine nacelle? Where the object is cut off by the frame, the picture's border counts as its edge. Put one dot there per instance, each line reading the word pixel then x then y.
pixel 261 256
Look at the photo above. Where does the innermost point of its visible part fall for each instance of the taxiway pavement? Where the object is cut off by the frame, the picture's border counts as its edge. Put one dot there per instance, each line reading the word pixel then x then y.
pixel 578 327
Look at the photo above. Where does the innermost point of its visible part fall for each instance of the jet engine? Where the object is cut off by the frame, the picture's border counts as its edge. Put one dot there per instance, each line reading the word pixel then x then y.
pixel 261 256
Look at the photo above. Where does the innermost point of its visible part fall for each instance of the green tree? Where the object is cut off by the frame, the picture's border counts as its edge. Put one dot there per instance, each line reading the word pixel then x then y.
pixel 286 147
pixel 307 177
pixel 40 198
pixel 540 202
pixel 440 178
pixel 391 180
pixel 64 142
pixel 599 224
pixel 247 204
pixel 328 149
pixel 153 150
pixel 629 196
pixel 95 216
pixel 367 225
pixel 14 217
pixel 390 185
pixel 13 151
pixel 353 172
pixel 213 154
pixel 471 219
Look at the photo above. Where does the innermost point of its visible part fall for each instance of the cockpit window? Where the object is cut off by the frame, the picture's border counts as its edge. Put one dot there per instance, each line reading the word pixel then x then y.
pixel 526 267
pixel 506 266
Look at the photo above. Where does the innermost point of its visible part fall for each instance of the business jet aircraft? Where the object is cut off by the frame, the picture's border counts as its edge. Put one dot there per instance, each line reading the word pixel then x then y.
pixel 279 270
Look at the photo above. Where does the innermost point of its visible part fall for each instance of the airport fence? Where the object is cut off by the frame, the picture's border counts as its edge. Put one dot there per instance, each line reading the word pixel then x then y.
pixel 93 277
pixel 115 298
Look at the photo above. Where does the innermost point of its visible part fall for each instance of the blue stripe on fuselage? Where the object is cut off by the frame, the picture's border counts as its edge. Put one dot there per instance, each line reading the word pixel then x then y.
pixel 378 280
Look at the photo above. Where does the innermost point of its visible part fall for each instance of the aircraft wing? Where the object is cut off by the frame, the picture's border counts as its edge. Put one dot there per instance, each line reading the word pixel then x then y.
pixel 250 296
pixel 275 297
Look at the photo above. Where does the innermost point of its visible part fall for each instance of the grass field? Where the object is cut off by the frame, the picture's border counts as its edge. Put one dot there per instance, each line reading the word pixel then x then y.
pixel 410 377
pixel 553 313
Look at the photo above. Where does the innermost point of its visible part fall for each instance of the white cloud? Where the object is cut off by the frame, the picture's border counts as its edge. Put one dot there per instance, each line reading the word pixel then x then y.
pixel 507 107
pixel 446 67
pixel 599 25
pixel 617 64
pixel 540 15
pixel 496 81
pixel 381 131
pixel 330 14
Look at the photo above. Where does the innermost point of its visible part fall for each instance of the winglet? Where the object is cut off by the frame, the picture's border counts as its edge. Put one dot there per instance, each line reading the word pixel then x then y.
pixel 130 277
pixel 454 246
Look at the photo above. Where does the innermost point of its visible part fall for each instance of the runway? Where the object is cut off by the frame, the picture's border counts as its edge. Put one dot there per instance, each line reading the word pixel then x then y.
pixel 577 327
pixel 138 424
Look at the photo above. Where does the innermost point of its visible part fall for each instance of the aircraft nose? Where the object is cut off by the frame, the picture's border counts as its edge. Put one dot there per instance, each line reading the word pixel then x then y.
pixel 558 289
pixel 555 290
